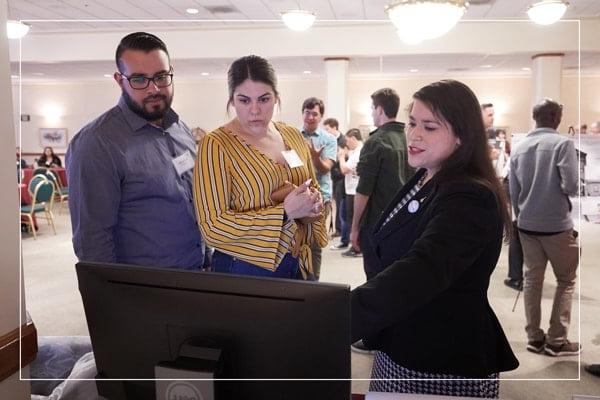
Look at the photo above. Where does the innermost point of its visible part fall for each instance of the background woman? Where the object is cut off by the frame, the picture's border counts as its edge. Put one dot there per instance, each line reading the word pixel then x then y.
pixel 427 312
pixel 49 159
pixel 241 171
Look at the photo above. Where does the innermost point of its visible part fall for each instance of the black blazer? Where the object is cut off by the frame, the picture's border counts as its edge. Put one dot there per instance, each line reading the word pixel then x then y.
pixel 55 161
pixel 428 308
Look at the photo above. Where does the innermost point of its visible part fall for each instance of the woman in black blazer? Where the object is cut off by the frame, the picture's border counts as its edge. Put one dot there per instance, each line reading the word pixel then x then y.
pixel 426 312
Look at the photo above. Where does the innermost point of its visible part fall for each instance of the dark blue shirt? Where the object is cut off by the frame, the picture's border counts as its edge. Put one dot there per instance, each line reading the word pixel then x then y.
pixel 128 203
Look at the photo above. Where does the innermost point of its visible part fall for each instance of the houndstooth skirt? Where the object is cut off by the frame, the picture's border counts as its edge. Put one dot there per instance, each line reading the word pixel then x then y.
pixel 395 378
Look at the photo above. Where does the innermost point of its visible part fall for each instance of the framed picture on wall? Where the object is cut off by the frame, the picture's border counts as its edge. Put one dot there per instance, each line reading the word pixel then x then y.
pixel 53 137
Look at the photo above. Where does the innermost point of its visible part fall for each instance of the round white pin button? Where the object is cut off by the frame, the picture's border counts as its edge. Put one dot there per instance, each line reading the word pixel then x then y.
pixel 413 206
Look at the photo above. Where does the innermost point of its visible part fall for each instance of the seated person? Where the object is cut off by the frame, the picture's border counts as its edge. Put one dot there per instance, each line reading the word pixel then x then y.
pixel 21 163
pixel 49 159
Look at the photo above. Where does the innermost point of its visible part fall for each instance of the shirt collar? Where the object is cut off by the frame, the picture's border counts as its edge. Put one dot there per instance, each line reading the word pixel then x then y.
pixel 315 133
pixel 542 130
pixel 391 125
pixel 136 122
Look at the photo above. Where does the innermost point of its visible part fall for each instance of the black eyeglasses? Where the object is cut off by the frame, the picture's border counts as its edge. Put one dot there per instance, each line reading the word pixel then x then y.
pixel 139 82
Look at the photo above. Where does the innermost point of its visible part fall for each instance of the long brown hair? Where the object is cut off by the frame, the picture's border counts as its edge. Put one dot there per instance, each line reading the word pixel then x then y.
pixel 44 157
pixel 455 103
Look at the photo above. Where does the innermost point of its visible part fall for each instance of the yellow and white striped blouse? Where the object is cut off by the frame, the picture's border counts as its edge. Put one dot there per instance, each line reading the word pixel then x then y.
pixel 233 182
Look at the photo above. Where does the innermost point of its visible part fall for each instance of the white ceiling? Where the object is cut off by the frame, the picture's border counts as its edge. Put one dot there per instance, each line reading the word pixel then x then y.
pixel 111 15
pixel 114 12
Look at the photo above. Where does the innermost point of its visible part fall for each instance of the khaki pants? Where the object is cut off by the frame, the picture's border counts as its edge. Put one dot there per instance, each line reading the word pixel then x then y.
pixel 563 253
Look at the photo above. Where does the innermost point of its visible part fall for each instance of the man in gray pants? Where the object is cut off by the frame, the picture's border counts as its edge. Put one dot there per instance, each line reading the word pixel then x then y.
pixel 543 174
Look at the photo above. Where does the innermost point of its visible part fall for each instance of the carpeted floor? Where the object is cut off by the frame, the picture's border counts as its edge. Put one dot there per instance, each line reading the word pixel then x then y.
pixel 54 303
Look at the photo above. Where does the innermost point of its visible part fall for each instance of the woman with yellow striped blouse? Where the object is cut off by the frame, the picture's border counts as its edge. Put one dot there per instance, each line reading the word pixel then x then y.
pixel 254 184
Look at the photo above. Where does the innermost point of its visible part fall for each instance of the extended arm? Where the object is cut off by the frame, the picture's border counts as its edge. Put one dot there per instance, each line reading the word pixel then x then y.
pixel 461 227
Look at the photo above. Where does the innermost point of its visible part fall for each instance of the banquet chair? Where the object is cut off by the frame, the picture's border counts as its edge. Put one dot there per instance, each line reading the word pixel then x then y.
pixel 61 193
pixel 40 171
pixel 42 199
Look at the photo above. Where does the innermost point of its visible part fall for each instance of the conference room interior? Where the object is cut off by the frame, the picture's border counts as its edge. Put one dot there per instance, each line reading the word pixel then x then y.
pixel 59 83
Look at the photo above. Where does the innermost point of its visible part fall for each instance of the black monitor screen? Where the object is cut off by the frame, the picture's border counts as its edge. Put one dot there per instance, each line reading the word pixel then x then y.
pixel 273 329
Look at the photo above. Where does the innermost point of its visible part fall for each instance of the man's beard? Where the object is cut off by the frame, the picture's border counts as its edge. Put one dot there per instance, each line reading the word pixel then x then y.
pixel 156 114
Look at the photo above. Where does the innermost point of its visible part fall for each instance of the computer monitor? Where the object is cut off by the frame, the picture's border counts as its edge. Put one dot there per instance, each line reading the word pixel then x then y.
pixel 294 333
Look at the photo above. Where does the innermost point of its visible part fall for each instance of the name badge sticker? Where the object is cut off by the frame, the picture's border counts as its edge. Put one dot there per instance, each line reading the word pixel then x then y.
pixel 413 206
pixel 183 162
pixel 292 158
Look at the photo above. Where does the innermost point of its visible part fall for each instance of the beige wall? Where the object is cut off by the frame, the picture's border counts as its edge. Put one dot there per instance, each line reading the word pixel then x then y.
pixel 510 95
pixel 590 100
pixel 10 286
pixel 198 103
pixel 202 103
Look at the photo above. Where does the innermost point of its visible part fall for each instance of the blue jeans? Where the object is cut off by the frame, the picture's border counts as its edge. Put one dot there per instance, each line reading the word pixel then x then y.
pixel 289 268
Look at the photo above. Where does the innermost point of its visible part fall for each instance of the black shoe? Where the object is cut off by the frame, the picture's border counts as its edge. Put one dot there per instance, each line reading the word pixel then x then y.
pixel 359 347
pixel 352 253
pixel 516 284
pixel 565 349
pixel 593 369
pixel 536 346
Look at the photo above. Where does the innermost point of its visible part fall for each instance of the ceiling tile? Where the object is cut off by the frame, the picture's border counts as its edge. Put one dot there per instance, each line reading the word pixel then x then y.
pixel 255 10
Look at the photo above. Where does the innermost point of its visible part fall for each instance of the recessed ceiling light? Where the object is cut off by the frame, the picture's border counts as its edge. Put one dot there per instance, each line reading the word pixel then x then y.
pixel 307 72
pixel 191 10
pixel 486 66
pixel 414 70
pixel 205 73
pixel 14 76
pixel 107 75
pixel 38 73
pixel 526 69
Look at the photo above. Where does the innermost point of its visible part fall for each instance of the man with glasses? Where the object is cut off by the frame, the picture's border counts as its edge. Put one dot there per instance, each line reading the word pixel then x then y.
pixel 323 151
pixel 130 170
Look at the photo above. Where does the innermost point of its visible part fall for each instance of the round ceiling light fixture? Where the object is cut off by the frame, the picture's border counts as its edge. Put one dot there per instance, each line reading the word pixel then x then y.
pixel 16 29
pixel 547 12
pixel 418 20
pixel 298 20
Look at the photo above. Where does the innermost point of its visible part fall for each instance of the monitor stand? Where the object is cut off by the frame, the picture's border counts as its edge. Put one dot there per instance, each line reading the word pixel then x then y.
pixel 191 375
